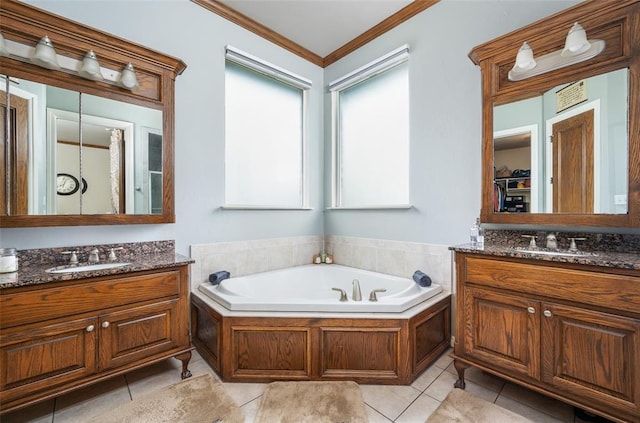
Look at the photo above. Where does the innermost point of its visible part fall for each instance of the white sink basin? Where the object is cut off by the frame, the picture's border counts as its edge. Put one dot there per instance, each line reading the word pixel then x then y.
pixel 85 268
pixel 557 253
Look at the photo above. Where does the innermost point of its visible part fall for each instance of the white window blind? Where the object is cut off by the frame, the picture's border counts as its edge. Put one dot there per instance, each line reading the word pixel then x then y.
pixel 264 135
pixel 371 134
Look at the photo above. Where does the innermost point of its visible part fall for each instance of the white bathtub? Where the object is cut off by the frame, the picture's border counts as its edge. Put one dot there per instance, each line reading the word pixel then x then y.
pixel 308 288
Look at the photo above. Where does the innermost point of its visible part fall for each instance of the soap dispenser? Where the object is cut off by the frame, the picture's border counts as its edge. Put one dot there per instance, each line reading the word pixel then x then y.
pixel 474 231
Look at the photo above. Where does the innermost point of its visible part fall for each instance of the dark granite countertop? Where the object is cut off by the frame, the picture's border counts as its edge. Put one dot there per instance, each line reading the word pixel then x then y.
pixel 612 259
pixel 34 263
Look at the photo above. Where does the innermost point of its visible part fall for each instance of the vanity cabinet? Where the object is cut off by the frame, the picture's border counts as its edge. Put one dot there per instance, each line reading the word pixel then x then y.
pixel 568 331
pixel 64 335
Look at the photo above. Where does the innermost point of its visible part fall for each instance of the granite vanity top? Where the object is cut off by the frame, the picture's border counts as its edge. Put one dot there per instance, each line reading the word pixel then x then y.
pixel 34 263
pixel 611 259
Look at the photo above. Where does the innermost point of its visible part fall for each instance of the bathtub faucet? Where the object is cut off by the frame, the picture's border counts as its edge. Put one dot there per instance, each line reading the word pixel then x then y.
pixel 357 295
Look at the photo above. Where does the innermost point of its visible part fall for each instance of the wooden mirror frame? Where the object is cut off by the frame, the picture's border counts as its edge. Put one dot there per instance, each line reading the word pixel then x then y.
pixel 618 23
pixel 156 73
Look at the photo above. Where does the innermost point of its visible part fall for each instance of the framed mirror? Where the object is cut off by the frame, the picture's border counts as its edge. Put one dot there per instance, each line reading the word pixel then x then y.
pixel 83 150
pixel 562 148
pixel 565 151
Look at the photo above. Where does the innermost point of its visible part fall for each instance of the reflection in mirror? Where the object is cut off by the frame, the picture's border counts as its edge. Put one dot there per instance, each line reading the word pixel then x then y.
pixel 113 166
pixel 565 151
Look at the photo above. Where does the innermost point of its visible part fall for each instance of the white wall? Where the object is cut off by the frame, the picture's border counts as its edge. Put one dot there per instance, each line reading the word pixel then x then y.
pixel 445 123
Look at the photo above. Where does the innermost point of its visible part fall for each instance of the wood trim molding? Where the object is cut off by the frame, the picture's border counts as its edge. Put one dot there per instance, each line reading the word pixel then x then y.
pixel 259 29
pixel 247 23
pixel 388 24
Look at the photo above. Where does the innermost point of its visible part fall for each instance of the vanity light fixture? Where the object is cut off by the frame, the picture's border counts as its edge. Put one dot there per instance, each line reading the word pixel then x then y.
pixel 3 46
pixel 90 68
pixel 577 49
pixel 128 77
pixel 45 55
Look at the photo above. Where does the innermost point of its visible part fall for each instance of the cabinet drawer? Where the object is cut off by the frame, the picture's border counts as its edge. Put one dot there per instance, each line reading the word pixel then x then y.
pixel 620 292
pixel 86 296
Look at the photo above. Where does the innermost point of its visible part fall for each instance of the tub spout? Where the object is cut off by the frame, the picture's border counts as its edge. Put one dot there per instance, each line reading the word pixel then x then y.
pixel 357 295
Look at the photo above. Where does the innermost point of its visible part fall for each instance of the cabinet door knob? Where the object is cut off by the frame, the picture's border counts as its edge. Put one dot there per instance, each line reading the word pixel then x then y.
pixel 531 310
pixel 105 324
pixel 90 328
pixel 547 313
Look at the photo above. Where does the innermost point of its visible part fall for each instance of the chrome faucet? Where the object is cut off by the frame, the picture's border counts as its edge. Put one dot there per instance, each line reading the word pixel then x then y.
pixel 93 256
pixel 357 295
pixel 552 242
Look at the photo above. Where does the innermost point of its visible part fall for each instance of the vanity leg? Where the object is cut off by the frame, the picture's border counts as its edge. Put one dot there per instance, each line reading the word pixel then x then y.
pixel 185 357
pixel 460 368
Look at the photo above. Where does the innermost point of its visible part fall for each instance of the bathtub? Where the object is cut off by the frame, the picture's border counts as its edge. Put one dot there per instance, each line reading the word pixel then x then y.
pixel 309 288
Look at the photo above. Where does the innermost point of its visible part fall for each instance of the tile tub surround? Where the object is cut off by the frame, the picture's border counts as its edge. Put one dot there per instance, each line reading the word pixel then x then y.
pixel 142 256
pixel 383 256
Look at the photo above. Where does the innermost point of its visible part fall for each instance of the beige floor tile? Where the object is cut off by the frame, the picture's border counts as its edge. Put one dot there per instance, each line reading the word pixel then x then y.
pixel 444 360
pixel 41 412
pixel 153 377
pixel 250 410
pixel 441 387
pixel 374 416
pixel 547 405
pixel 426 378
pixel 419 410
pixel 80 405
pixel 243 393
pixel 389 400
pixel 526 411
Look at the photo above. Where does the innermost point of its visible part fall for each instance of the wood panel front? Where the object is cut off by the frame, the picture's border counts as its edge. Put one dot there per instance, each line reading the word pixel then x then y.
pixel 132 334
pixel 502 330
pixel 261 351
pixel 592 355
pixel 364 352
pixel 40 358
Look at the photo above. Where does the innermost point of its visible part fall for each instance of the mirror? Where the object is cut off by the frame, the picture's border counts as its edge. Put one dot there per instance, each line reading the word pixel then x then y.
pixel 565 151
pixel 112 166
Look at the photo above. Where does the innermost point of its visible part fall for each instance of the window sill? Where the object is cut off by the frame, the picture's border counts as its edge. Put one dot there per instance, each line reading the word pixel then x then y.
pixel 233 207
pixel 387 207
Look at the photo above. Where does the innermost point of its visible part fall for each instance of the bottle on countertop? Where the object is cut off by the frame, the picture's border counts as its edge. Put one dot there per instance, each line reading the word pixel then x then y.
pixel 473 232
pixel 480 237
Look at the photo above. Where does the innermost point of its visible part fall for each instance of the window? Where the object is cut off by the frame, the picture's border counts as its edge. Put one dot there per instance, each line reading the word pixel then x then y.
pixel 371 134
pixel 264 134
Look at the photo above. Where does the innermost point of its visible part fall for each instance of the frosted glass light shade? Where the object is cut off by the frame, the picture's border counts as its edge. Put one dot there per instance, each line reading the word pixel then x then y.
pixel 3 46
pixel 524 59
pixel 576 41
pixel 45 55
pixel 90 67
pixel 128 77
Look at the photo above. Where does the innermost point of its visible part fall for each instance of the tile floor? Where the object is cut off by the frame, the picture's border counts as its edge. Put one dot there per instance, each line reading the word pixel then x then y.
pixel 401 404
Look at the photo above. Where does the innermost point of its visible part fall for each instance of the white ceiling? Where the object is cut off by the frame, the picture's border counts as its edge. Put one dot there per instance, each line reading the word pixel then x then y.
pixel 321 26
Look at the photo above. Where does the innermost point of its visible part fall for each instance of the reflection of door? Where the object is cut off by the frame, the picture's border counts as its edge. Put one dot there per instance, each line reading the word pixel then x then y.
pixel 18 155
pixel 573 164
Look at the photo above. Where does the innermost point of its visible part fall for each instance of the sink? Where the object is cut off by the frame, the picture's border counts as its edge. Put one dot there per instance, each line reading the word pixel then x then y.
pixel 85 268
pixel 556 253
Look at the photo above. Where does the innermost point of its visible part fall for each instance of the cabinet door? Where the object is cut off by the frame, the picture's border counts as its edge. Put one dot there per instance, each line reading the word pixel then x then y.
pixel 136 333
pixel 503 331
pixel 35 358
pixel 593 355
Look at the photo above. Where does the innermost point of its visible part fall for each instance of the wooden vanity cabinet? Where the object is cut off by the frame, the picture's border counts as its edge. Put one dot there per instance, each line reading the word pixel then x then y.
pixel 62 336
pixel 571 332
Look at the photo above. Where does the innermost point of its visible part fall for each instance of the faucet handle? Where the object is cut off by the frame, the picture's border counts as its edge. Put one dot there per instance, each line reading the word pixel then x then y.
pixel 343 294
pixel 74 256
pixel 573 247
pixel 373 297
pixel 532 242
pixel 112 253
